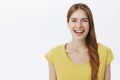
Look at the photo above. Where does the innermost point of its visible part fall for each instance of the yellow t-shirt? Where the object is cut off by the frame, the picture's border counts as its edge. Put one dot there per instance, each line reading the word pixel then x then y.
pixel 66 69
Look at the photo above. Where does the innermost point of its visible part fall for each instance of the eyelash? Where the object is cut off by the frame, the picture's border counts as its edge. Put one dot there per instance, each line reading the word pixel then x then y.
pixel 85 20
pixel 73 20
pixel 82 20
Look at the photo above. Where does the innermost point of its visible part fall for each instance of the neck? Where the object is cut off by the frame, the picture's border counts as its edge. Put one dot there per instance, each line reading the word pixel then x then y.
pixel 77 44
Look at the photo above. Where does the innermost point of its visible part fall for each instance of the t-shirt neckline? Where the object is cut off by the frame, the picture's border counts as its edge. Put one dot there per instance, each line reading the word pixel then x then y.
pixel 68 59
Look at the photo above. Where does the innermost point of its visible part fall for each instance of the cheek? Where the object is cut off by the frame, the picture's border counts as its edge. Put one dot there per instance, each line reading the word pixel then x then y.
pixel 70 25
pixel 86 26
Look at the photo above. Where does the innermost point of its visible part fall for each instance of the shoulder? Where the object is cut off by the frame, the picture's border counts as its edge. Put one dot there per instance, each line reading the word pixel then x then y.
pixel 104 51
pixel 52 54
pixel 103 48
pixel 56 49
pixel 105 54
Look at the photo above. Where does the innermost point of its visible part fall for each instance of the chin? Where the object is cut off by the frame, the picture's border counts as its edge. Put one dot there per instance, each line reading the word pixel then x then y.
pixel 79 38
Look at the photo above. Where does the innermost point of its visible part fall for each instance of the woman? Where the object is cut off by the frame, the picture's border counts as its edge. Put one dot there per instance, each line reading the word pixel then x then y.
pixel 82 58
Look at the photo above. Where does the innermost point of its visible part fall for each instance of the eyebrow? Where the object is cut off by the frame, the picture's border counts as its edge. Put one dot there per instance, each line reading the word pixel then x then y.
pixel 76 18
pixel 84 18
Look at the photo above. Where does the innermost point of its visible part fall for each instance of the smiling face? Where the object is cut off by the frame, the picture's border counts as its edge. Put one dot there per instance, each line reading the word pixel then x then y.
pixel 79 24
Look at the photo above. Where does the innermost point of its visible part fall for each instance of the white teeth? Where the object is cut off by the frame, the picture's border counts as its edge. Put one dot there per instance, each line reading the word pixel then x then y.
pixel 79 31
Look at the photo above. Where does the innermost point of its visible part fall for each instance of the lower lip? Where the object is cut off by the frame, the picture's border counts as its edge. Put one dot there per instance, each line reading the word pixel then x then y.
pixel 79 34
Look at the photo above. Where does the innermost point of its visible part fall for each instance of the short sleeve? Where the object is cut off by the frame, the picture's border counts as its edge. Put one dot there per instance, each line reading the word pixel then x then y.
pixel 49 57
pixel 110 57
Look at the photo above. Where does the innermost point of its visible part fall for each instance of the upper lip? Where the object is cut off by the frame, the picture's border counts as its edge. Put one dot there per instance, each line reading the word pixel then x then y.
pixel 79 31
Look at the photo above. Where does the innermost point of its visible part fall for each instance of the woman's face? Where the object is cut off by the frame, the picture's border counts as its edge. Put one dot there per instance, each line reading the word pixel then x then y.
pixel 79 24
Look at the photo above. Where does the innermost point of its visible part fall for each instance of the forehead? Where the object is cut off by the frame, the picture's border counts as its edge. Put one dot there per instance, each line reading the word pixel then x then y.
pixel 79 14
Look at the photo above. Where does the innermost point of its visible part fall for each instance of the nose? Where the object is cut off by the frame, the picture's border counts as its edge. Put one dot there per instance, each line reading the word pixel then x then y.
pixel 79 24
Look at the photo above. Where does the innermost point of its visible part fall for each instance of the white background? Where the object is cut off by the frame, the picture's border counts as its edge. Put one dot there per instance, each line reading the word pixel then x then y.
pixel 29 28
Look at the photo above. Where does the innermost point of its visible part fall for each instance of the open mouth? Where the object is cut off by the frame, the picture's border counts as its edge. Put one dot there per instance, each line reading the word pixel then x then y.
pixel 79 31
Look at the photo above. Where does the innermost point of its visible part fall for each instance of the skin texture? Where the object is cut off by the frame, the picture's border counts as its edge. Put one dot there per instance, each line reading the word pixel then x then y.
pixel 77 49
pixel 78 22
pixel 107 73
pixel 52 73
pixel 79 28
